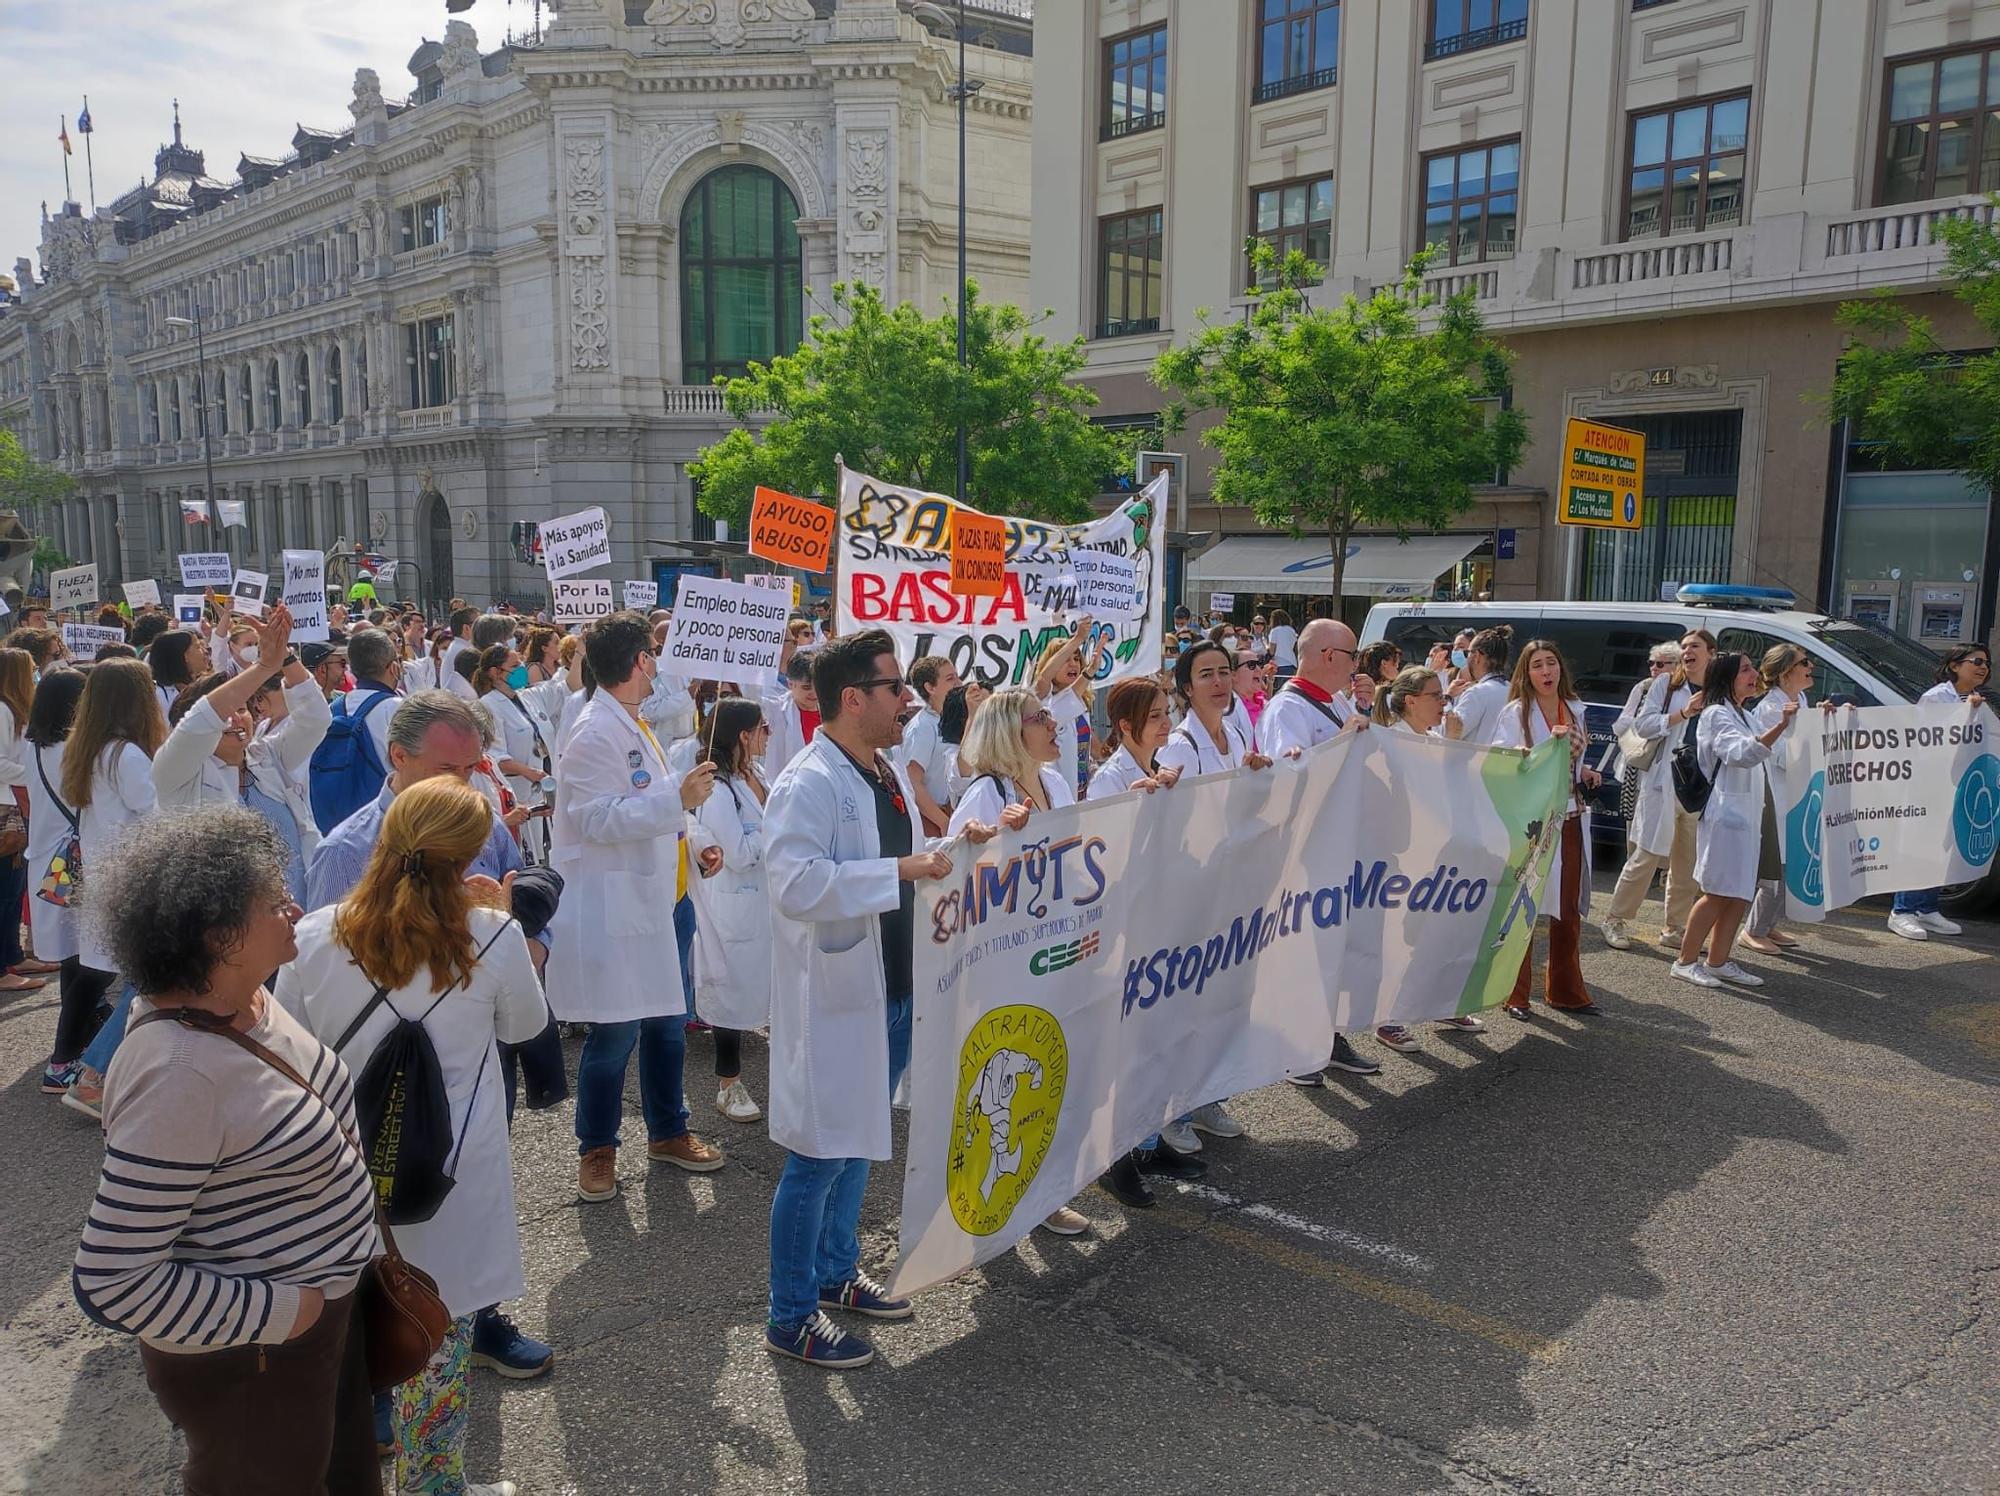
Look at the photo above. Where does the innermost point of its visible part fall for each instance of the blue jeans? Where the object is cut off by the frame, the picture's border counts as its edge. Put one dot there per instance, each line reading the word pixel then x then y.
pixel 98 1056
pixel 600 1080
pixel 1916 901
pixel 816 1211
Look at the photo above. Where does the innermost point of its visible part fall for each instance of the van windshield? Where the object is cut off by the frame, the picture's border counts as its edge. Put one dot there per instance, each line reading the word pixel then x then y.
pixel 1907 667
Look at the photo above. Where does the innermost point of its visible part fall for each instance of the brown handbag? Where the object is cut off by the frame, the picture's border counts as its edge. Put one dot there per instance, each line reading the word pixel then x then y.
pixel 402 1318
pixel 13 832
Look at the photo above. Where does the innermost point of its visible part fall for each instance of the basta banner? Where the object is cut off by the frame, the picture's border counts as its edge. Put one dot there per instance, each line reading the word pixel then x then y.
pixel 894 565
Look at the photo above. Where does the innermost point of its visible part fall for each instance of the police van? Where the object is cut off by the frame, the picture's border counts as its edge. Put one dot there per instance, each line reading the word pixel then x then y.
pixel 1606 645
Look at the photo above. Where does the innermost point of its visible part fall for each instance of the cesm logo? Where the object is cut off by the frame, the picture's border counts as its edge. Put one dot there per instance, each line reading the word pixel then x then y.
pixel 1054 958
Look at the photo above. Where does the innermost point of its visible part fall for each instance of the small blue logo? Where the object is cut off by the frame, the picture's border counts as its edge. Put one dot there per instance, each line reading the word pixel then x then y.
pixel 1976 809
pixel 1802 845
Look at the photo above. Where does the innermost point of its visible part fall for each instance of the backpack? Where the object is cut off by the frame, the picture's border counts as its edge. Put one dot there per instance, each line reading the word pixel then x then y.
pixel 1691 787
pixel 403 1115
pixel 346 770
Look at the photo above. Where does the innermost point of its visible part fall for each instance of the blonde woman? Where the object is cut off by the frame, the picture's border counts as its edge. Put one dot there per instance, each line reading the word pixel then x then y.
pixel 413 942
pixel 1413 701
pixel 1787 673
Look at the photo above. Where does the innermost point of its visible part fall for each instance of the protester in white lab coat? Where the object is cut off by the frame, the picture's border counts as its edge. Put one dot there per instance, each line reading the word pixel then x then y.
pixel 1062 679
pixel 961 705
pixel 925 757
pixel 1737 843
pixel 1662 833
pixel 1915 913
pixel 1412 701
pixel 793 712
pixel 616 840
pixel 1140 722
pixel 1787 673
pixel 843 850
pixel 669 705
pixel 1542 704
pixel 732 933
pixel 525 752
pixel 1476 698
pixel 449 676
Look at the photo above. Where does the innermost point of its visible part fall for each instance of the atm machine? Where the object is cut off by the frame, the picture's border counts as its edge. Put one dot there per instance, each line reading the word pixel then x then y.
pixel 1872 600
pixel 1942 613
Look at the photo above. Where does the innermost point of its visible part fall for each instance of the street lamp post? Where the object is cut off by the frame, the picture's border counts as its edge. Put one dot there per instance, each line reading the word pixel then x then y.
pixel 936 19
pixel 201 414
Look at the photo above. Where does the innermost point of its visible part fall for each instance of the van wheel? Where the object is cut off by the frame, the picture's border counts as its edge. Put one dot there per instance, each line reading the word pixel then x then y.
pixel 1975 897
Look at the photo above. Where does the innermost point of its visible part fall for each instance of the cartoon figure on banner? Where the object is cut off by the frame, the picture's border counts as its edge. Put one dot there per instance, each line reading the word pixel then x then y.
pixel 1012 1071
pixel 1544 837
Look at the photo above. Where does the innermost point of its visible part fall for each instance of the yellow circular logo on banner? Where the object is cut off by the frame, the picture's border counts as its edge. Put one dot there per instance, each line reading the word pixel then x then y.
pixel 1011 1073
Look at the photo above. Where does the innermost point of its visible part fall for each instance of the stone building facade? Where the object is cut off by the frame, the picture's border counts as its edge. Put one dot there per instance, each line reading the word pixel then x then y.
pixel 506 296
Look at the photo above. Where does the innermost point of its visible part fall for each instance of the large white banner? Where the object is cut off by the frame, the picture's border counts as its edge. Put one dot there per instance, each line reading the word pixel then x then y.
pixel 1118 963
pixel 893 559
pixel 1881 799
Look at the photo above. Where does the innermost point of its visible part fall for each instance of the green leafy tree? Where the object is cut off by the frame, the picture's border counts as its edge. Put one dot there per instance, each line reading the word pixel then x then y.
pixel 1926 404
pixel 1339 418
pixel 881 386
pixel 26 483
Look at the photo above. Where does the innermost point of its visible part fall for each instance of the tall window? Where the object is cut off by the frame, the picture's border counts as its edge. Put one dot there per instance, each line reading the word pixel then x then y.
pixel 428 355
pixel 1129 273
pixel 1687 168
pixel 1298 43
pixel 1295 215
pixel 423 223
pixel 336 396
pixel 174 409
pixel 1135 82
pixel 222 402
pixel 246 398
pixel 150 404
pixel 302 372
pixel 1471 202
pixel 1941 131
pixel 1467 25
pixel 742 277
pixel 274 403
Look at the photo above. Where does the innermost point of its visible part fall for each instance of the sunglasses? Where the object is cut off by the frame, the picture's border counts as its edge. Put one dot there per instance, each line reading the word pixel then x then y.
pixel 880 680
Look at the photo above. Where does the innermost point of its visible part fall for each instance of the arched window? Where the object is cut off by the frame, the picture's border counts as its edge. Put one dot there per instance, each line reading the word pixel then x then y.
pixel 246 399
pixel 336 401
pixel 174 400
pixel 274 404
pixel 303 369
pixel 742 288
pixel 149 407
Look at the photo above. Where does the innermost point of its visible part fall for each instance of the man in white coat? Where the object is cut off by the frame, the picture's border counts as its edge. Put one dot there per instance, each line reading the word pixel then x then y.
pixel 842 851
pixel 793 712
pixel 615 837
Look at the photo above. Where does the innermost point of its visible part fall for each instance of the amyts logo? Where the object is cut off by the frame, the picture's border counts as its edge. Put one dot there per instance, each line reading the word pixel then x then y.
pixel 1051 959
pixel 1975 810
pixel 1012 1070
pixel 1804 849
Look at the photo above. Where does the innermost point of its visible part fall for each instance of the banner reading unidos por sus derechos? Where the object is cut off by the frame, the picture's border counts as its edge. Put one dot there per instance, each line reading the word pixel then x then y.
pixel 1073 999
pixel 1883 799
pixel 893 557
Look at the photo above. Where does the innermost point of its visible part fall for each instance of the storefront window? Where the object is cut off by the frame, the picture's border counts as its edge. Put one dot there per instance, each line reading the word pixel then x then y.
pixel 1910 553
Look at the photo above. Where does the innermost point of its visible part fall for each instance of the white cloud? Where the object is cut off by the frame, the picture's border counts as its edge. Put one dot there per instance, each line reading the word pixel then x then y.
pixel 247 73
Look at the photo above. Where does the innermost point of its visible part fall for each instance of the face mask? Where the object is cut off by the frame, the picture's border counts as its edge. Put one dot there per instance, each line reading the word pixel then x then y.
pixel 518 677
pixel 1458 658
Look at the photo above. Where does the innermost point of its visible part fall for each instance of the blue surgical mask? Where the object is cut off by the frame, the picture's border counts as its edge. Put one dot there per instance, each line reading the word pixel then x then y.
pixel 1458 658
pixel 518 677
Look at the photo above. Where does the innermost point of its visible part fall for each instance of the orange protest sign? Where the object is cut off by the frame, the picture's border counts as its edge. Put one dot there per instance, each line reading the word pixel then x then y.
pixel 791 531
pixel 978 554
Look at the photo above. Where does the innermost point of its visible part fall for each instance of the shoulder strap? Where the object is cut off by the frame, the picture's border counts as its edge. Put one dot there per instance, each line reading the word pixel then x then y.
pixel 370 704
pixel 1292 686
pixel 76 827
pixel 381 995
pixel 541 749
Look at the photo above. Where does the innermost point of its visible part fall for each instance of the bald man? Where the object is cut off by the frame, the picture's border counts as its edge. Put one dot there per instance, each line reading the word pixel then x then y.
pixel 1312 706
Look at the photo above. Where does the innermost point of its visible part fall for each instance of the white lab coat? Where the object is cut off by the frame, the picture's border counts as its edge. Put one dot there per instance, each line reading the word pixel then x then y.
pixel 1291 719
pixel 1115 775
pixel 925 748
pixel 984 799
pixel 527 736
pixel 121 792
pixel 1507 734
pixel 1478 710
pixel 1652 828
pixel 188 775
pixel 56 927
pixel 1190 749
pixel 1731 831
pixel 732 910
pixel 615 838
pixel 1068 708
pixel 448 678
pixel 13 749
pixel 788 733
pixel 829 885
pixel 669 708
pixel 472 1246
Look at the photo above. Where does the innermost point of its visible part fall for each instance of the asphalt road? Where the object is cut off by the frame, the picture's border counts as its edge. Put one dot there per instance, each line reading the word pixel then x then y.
pixel 1706 1243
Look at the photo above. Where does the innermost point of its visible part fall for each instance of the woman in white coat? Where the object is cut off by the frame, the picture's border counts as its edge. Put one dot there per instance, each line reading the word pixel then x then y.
pixel 1915 914
pixel 1787 674
pixel 1140 720
pixel 732 932
pixel 1542 704
pixel 525 752
pixel 1662 833
pixel 1737 843
pixel 17 695
pixel 409 943
pixel 52 914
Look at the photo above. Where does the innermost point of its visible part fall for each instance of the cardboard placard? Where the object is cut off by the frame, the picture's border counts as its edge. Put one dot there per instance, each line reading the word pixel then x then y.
pixel 247 592
pixel 73 587
pixel 142 594
pixel 187 607
pixel 1221 602
pixel 642 597
pixel 305 596
pixel 233 512
pixel 83 640
pixel 581 600
pixel 726 631
pixel 777 582
pixel 575 543
pixel 791 531
pixel 978 554
pixel 204 569
pixel 1107 586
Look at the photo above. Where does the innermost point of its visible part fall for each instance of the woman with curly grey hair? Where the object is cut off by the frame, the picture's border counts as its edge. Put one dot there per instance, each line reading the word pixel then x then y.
pixel 233 1216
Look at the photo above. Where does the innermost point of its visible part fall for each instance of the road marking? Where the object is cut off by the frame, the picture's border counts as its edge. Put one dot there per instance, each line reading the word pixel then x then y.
pixel 1332 1236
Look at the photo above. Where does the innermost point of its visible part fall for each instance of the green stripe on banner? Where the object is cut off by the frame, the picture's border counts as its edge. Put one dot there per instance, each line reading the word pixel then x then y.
pixel 1531 796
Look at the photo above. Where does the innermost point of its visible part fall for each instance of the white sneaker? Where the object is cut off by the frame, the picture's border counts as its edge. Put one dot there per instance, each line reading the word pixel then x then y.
pixel 1735 975
pixel 1214 1119
pixel 1671 936
pixel 1180 1137
pixel 1909 926
pixel 735 1102
pixel 1694 971
pixel 1616 935
pixel 1937 924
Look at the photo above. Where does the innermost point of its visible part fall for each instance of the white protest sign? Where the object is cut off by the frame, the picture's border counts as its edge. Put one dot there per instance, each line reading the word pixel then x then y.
pixel 73 587
pixel 726 631
pixel 83 640
pixel 305 595
pixel 187 607
pixel 1107 585
pixel 201 569
pixel 776 581
pixel 386 572
pixel 142 594
pixel 642 597
pixel 581 600
pixel 233 512
pixel 1221 602
pixel 247 591
pixel 576 542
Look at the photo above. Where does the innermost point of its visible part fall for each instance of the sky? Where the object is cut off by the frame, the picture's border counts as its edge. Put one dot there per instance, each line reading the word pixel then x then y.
pixel 247 73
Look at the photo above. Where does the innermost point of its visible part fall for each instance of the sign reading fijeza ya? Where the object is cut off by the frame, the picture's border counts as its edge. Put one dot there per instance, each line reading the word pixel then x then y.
pixel 1881 799
pixel 1074 1000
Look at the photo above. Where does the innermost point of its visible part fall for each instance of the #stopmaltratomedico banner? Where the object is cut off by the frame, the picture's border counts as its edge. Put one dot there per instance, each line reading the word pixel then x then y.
pixel 893 559
pixel 1881 799
pixel 1118 963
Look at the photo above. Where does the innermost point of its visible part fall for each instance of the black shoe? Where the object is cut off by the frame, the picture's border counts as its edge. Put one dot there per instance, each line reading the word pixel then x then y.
pixel 1169 1164
pixel 1346 1058
pixel 1126 1187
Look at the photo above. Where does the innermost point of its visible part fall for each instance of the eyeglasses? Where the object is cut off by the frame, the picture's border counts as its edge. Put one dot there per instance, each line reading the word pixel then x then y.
pixel 1039 719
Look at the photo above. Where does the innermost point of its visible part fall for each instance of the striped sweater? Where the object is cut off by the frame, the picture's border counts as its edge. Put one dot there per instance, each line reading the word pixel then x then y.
pixel 225 1188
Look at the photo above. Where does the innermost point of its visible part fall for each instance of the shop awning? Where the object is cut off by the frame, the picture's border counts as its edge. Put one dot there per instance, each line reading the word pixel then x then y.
pixel 1377 565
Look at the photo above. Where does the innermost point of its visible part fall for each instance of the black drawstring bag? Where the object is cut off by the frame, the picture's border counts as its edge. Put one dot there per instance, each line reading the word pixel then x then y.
pixel 1691 787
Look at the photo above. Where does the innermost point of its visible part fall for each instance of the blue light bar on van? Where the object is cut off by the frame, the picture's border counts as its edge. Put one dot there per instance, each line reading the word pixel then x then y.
pixel 1730 595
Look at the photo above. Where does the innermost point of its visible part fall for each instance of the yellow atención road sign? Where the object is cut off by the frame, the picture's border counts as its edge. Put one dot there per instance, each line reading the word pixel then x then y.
pixel 1604 477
